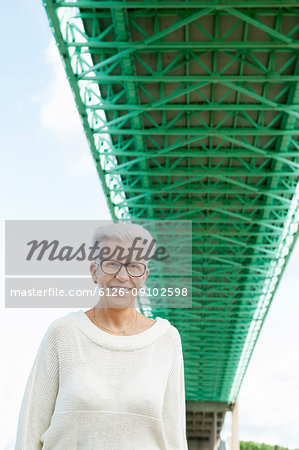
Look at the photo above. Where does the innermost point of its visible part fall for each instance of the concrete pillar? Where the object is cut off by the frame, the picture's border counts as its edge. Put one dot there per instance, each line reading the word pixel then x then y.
pixel 235 429
pixel 213 431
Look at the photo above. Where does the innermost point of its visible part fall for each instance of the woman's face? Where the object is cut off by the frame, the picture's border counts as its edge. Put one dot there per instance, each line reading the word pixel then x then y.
pixel 121 283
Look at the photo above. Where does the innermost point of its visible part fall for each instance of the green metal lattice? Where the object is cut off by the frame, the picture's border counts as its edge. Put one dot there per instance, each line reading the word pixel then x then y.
pixel 190 110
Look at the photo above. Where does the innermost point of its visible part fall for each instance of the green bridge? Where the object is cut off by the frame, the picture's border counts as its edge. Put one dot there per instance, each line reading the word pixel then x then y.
pixel 190 111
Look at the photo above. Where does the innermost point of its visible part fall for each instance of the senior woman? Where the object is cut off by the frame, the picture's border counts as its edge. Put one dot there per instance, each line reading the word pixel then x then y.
pixel 108 378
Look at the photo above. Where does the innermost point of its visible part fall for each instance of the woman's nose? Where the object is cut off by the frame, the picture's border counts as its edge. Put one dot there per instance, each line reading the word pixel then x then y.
pixel 122 274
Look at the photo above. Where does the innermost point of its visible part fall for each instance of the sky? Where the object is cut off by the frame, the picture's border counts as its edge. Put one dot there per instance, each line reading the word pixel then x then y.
pixel 47 172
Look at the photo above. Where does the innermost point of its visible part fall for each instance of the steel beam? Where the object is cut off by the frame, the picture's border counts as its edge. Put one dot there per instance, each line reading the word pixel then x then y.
pixel 154 4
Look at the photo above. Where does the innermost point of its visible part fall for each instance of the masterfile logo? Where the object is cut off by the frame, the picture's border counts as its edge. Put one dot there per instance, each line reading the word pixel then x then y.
pixel 47 262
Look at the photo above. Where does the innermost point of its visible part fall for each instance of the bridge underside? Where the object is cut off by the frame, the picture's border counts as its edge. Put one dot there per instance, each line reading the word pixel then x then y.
pixel 190 109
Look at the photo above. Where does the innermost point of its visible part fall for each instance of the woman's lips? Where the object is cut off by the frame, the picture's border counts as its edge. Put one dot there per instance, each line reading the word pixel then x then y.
pixel 120 287
pixel 123 289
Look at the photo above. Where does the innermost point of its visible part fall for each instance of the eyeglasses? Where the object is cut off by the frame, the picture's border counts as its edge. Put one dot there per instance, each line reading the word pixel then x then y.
pixel 112 267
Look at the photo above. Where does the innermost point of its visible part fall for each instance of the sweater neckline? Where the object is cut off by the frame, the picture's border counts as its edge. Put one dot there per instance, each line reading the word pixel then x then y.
pixel 108 340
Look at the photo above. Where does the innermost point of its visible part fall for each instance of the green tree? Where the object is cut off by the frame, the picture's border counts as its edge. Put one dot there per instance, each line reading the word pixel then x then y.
pixel 250 445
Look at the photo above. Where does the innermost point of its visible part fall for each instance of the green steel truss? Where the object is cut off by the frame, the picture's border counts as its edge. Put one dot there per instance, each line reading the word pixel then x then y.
pixel 190 110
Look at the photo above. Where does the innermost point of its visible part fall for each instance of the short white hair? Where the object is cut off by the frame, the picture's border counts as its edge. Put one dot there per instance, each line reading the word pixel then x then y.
pixel 124 232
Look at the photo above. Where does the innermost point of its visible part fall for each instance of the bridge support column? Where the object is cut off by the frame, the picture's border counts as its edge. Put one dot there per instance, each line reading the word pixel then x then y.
pixel 213 432
pixel 204 421
pixel 235 428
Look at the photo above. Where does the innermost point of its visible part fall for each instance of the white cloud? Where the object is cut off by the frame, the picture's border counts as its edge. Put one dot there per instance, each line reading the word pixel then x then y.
pixel 59 116
pixel 82 166
pixel 269 395
pixel 58 111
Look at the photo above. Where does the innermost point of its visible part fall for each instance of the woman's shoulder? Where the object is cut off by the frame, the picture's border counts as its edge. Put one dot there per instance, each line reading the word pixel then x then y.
pixel 171 332
pixel 60 325
pixel 175 334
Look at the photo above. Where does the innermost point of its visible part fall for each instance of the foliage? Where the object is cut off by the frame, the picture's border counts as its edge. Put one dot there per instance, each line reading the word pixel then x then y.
pixel 255 446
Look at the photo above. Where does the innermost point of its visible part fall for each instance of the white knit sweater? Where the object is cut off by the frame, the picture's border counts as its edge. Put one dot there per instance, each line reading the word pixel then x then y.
pixel 91 390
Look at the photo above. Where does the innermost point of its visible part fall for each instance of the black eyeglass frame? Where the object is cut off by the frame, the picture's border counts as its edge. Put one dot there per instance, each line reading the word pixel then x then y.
pixel 99 263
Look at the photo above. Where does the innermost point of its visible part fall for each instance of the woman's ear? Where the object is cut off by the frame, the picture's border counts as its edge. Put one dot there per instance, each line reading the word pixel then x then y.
pixel 92 269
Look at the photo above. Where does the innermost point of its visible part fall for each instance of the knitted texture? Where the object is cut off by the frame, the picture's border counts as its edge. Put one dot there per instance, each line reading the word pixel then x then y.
pixel 91 390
